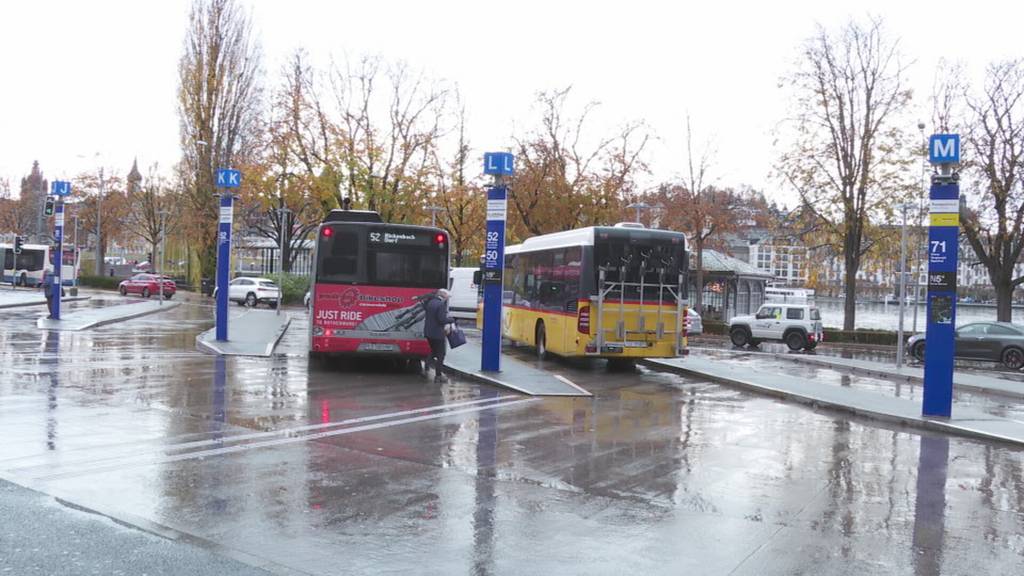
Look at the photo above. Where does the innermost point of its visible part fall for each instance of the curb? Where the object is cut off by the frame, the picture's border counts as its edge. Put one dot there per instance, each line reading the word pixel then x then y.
pixel 208 348
pixel 922 423
pixel 485 379
pixel 166 306
pixel 43 302
pixel 880 373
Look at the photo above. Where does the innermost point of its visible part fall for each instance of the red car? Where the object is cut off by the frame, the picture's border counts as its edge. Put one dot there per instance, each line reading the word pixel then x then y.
pixel 147 284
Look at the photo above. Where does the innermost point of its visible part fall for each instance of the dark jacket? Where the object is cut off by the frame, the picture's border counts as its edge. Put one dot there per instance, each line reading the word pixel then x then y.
pixel 48 280
pixel 437 317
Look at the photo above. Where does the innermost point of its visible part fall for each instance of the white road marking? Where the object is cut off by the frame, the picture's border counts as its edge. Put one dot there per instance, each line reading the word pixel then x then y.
pixel 286 432
pixel 277 442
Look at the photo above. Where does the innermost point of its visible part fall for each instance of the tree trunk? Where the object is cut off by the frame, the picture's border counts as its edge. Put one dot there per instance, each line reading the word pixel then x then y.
pixel 699 284
pixel 850 302
pixel 1004 301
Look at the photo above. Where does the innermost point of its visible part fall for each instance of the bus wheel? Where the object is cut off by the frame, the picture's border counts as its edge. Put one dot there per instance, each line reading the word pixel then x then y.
pixel 621 364
pixel 414 366
pixel 541 341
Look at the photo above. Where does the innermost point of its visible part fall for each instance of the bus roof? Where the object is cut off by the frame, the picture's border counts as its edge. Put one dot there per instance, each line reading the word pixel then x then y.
pixel 337 215
pixel 586 236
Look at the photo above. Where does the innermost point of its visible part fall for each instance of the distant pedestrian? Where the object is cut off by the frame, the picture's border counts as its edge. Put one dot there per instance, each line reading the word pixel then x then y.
pixel 48 281
pixel 435 329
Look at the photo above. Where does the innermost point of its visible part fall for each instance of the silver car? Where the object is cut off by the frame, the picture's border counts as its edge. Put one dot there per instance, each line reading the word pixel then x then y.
pixel 694 323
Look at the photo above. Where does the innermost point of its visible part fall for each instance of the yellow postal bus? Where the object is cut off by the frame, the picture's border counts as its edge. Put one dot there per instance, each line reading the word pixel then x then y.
pixel 617 292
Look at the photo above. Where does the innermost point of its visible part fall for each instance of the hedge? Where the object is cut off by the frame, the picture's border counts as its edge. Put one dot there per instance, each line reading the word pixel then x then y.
pixel 880 337
pixel 99 281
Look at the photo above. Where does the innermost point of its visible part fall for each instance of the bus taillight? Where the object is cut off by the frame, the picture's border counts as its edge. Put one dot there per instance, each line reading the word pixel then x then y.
pixel 583 320
pixel 328 231
pixel 439 239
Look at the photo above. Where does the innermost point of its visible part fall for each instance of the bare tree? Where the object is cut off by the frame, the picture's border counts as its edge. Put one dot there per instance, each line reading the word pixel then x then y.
pixel 151 211
pixel 705 211
pixel 994 222
pixel 847 157
pixel 387 163
pixel 567 178
pixel 16 215
pixel 463 202
pixel 218 106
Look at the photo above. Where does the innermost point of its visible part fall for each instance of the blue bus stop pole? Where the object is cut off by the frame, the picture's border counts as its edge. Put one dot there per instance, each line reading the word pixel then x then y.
pixel 499 165
pixel 58 257
pixel 223 264
pixel 943 245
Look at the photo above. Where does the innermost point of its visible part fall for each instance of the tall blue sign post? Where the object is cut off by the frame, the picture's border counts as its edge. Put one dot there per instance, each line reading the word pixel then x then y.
pixel 60 189
pixel 500 165
pixel 943 243
pixel 226 180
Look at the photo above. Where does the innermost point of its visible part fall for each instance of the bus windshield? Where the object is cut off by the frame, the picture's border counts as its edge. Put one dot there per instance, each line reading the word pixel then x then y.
pixel 652 261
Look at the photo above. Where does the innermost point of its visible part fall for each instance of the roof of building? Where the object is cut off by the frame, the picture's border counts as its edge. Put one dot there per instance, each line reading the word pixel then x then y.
pixel 715 261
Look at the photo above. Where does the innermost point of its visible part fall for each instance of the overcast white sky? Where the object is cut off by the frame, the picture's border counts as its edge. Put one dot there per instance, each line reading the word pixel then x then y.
pixel 81 77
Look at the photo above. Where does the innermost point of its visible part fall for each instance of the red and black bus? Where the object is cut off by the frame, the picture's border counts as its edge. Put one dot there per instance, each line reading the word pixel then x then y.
pixel 368 283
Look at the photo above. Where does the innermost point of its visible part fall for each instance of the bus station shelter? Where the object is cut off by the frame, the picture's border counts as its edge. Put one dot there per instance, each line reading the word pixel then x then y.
pixel 731 286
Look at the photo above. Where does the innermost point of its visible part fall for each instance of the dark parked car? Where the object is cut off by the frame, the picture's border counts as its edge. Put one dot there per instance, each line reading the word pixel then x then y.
pixel 147 284
pixel 992 341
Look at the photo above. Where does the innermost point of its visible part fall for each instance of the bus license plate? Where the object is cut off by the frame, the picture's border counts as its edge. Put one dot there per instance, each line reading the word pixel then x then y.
pixel 378 347
pixel 635 344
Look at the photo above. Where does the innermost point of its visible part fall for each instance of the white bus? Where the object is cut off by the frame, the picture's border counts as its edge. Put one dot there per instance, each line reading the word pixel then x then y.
pixel 27 268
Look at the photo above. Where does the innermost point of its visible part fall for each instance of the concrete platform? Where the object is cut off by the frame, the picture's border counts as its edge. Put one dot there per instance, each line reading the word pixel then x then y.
pixel 254 333
pixel 515 374
pixel 961 380
pixel 19 298
pixel 93 317
pixel 965 421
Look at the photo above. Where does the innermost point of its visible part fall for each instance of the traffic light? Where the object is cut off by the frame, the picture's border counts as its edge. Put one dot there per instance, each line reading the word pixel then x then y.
pixel 18 241
pixel 48 207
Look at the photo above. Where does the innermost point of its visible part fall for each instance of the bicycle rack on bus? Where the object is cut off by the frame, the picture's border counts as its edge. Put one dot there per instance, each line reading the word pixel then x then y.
pixel 606 287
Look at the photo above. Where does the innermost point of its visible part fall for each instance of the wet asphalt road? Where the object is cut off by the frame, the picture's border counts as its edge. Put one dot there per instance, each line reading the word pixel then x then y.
pixel 367 470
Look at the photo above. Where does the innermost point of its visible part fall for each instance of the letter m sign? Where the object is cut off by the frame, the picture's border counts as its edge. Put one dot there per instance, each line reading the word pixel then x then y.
pixel 944 149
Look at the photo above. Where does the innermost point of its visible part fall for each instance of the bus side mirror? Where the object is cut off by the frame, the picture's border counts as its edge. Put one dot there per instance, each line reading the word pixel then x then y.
pixel 478 277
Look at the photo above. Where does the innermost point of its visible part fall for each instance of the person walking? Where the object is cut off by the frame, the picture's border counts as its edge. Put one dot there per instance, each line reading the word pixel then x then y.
pixel 435 329
pixel 48 279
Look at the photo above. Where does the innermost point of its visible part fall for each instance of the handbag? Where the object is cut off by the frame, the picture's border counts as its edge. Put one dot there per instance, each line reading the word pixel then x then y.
pixel 456 337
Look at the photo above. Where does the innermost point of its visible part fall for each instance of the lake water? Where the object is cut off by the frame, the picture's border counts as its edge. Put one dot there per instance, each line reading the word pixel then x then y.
pixel 886 317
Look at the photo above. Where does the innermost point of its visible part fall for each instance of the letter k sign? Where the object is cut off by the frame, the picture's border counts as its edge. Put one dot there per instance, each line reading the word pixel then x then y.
pixel 228 178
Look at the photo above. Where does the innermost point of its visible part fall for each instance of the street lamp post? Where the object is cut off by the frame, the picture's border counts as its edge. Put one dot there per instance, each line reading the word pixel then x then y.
pixel 902 284
pixel 639 206
pixel 917 247
pixel 77 265
pixel 163 250
pixel 433 214
pixel 98 268
pixel 283 220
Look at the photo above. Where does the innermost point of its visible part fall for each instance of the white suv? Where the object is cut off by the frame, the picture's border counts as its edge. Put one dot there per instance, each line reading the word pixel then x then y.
pixel 798 325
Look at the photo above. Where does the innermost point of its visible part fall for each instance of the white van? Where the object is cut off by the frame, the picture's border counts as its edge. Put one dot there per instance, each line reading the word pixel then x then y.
pixel 464 293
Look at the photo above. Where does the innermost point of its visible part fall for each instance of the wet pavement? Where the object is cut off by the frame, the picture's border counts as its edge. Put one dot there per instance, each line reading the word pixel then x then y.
pixel 359 469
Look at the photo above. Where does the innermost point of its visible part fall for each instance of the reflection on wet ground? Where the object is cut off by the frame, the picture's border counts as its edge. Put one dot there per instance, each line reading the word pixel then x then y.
pixel 369 469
